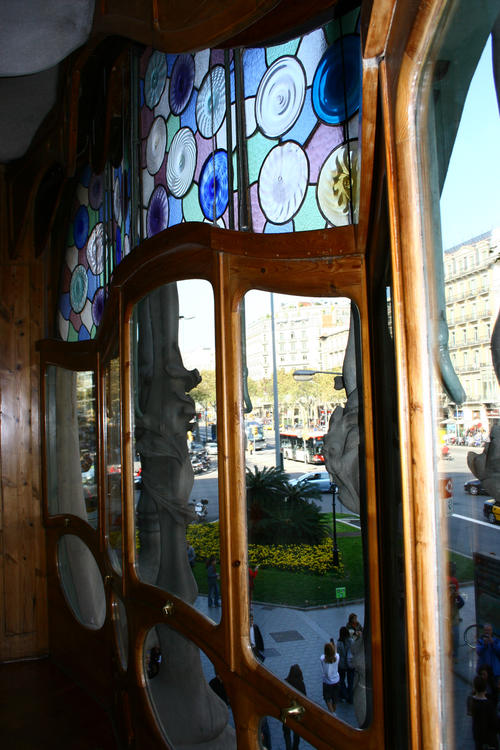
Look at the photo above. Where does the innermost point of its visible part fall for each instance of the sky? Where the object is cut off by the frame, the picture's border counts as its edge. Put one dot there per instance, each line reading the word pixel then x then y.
pixel 470 201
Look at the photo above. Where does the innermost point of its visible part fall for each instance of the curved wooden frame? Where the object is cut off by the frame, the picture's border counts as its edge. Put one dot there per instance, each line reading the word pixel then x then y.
pixel 396 41
pixel 314 263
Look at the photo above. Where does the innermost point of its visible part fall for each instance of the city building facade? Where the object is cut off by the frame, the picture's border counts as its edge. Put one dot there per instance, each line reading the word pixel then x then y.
pixel 472 300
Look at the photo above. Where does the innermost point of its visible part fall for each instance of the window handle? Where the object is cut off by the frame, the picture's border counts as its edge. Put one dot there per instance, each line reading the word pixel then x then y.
pixel 168 609
pixel 295 711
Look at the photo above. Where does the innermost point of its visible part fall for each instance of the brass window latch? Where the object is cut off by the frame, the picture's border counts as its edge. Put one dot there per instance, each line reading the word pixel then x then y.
pixel 296 711
pixel 168 609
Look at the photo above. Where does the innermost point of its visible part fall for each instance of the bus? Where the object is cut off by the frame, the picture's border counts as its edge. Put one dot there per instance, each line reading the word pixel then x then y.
pixel 302 445
pixel 254 432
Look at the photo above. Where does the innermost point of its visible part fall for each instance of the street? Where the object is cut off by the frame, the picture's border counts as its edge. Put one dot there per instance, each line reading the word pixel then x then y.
pixel 468 530
pixel 206 484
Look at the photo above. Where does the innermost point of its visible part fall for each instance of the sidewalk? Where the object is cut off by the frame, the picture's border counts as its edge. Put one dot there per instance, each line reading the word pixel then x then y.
pixel 297 636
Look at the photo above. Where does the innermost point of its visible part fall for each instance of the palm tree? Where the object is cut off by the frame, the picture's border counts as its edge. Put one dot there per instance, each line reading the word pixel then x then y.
pixel 294 521
pixel 265 484
pixel 280 513
pixel 303 490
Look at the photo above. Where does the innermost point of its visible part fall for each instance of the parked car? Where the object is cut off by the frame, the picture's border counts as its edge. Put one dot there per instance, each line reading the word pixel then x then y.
pixel 491 510
pixel 474 487
pixel 319 479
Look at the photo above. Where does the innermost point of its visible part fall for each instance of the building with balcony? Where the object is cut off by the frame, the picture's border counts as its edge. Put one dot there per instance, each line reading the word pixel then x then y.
pixel 472 298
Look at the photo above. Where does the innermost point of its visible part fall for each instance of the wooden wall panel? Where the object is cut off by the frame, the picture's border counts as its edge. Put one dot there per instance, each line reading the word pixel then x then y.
pixel 23 599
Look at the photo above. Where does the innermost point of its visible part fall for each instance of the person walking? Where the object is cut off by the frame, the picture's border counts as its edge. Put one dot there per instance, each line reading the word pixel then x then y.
pixel 484 718
pixel 346 666
pixel 331 680
pixel 191 554
pixel 212 577
pixel 456 604
pixel 354 626
pixel 294 678
pixel 252 575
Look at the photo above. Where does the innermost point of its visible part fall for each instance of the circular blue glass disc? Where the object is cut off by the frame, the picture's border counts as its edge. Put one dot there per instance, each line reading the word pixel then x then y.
pixel 213 187
pixel 181 83
pixel 81 227
pixel 157 216
pixel 339 67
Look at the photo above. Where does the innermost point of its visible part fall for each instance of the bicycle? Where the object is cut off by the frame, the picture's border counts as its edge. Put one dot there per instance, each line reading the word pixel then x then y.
pixel 473 633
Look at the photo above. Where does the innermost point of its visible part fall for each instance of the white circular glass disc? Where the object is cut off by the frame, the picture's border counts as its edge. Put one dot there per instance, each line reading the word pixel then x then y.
pixel 155 146
pixel 95 252
pixel 338 185
pixel 211 102
pixel 283 182
pixel 280 97
pixel 181 162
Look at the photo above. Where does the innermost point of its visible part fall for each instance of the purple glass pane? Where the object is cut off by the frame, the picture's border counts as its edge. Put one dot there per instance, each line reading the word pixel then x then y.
pixel 96 191
pixel 98 306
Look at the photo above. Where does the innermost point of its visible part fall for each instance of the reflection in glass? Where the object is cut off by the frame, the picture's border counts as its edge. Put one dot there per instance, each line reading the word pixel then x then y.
pixel 187 699
pixel 113 461
pixel 81 581
pixel 71 443
pixel 175 436
pixel 305 512
pixel 120 622
pixel 464 130
pixel 174 417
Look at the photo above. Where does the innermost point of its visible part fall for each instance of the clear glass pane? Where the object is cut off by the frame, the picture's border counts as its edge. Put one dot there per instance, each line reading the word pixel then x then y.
pixel 113 469
pixel 175 439
pixel 188 702
pixel 305 512
pixel 464 129
pixel 81 581
pixel 71 443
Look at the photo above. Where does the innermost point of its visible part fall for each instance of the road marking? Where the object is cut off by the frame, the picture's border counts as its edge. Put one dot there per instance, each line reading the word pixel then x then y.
pixel 473 520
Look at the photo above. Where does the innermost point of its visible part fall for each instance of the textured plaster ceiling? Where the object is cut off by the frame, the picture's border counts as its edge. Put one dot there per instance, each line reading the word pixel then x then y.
pixel 35 35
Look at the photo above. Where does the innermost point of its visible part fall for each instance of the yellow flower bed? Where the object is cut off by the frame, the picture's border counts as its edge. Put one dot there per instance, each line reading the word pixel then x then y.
pixel 294 557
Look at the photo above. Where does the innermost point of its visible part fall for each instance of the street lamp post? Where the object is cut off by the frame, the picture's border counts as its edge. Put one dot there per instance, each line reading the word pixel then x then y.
pixel 303 376
pixel 334 509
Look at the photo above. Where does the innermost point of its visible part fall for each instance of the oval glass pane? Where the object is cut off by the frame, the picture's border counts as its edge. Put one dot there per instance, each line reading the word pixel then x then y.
pixel 189 703
pixel 304 506
pixel 70 424
pixel 175 440
pixel 81 581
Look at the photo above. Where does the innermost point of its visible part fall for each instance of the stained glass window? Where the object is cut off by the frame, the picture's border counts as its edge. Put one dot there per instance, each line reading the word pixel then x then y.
pixel 97 240
pixel 184 138
pixel 261 139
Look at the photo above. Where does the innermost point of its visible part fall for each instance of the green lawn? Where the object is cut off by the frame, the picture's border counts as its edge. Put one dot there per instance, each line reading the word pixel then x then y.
pixel 306 589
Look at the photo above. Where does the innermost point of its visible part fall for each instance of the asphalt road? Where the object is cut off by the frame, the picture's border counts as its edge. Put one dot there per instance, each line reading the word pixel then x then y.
pixel 206 484
pixel 468 530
